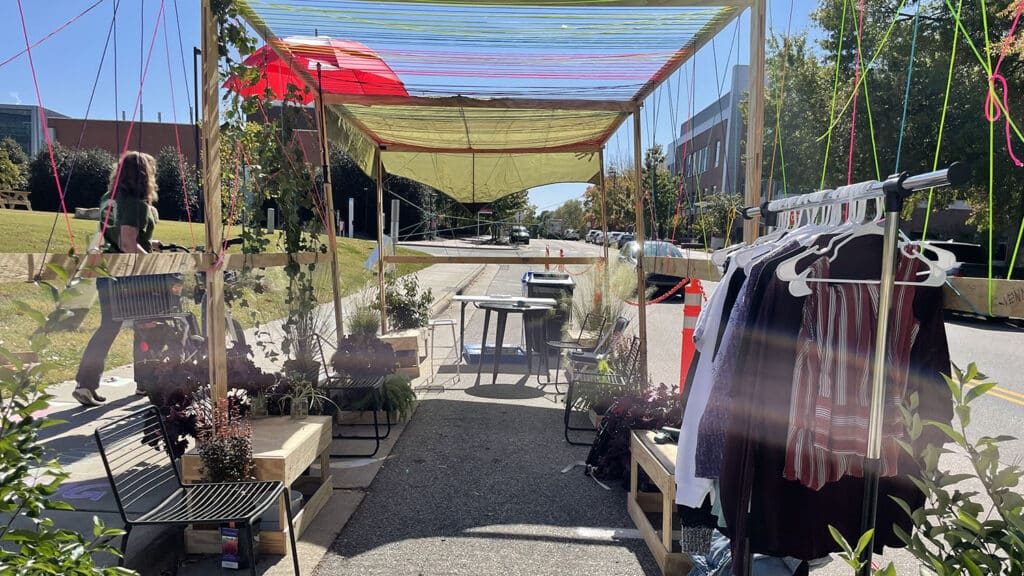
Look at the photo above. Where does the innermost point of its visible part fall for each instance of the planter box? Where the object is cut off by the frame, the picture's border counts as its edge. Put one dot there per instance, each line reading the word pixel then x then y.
pixel 365 418
pixel 408 352
pixel 282 449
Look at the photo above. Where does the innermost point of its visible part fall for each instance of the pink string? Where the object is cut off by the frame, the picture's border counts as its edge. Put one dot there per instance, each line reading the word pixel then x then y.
pixel 856 83
pixel 42 118
pixel 131 125
pixel 50 35
pixel 993 111
pixel 177 137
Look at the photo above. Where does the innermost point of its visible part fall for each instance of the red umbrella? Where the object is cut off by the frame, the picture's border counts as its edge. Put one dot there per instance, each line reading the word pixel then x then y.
pixel 347 67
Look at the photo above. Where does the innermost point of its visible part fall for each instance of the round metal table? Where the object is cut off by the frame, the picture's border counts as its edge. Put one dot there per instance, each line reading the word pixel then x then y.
pixel 534 319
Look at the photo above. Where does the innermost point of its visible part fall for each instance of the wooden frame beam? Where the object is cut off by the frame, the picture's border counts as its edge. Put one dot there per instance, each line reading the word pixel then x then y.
pixel 571 148
pixel 216 337
pixel 589 3
pixel 470 102
pixel 23 267
pixel 755 118
pixel 531 260
pixel 641 276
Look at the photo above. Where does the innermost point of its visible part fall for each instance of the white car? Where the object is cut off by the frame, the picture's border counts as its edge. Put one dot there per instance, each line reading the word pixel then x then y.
pixel 571 234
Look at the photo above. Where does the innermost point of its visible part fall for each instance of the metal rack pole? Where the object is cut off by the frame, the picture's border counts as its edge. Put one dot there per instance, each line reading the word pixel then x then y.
pixel 895 189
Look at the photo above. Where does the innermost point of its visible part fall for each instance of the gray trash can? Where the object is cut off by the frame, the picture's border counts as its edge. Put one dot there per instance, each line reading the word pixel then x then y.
pixel 557 285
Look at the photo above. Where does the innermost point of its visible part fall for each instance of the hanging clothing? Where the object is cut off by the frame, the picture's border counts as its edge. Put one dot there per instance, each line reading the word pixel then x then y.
pixel 691 490
pixel 832 382
pixel 755 496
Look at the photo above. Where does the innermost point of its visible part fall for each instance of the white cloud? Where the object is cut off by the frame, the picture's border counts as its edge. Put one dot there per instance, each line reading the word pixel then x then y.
pixel 15 96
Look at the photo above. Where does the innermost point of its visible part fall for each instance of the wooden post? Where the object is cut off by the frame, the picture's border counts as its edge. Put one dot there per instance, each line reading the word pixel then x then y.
pixel 606 288
pixel 332 232
pixel 641 283
pixel 215 329
pixel 755 117
pixel 379 167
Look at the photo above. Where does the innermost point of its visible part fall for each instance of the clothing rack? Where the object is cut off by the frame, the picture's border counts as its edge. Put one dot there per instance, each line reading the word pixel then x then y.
pixel 894 190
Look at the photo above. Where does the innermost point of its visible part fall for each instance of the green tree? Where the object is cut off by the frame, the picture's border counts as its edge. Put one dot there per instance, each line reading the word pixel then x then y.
pixel 571 214
pixel 811 71
pixel 174 197
pixel 13 166
pixel 662 189
pixel 620 184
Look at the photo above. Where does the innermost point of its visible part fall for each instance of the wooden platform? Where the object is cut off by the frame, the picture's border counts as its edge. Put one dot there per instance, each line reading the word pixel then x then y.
pixel 283 449
pixel 11 199
pixel 658 461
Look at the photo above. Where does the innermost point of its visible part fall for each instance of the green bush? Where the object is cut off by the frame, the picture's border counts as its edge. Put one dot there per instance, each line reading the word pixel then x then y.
pixel 29 479
pixel 13 166
pixel 174 203
pixel 89 171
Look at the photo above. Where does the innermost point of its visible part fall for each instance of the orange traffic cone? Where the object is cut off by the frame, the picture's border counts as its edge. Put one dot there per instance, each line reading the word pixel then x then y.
pixel 693 298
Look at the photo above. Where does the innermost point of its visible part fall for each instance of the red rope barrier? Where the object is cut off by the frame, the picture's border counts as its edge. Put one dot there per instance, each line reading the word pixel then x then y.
pixel 664 296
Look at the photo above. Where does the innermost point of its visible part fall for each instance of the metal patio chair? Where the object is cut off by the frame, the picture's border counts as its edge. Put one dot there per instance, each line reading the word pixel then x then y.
pixel 627 379
pixel 587 340
pixel 583 360
pixel 349 387
pixel 148 489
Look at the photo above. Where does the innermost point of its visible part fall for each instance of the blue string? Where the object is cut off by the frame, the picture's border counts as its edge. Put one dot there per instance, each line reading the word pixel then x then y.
pixel 906 93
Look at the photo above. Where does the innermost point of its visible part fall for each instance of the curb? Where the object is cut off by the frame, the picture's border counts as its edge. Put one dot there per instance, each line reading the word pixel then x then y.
pixel 442 303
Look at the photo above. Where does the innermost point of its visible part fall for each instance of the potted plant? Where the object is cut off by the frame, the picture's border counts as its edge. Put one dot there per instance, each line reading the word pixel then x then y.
pixel 302 398
pixel 396 396
pixel 225 446
pixel 408 311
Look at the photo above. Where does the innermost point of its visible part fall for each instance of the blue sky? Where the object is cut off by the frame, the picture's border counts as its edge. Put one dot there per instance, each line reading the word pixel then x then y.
pixel 67 64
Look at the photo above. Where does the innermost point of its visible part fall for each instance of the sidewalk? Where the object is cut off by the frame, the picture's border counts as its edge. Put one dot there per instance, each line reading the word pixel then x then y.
pixel 152 550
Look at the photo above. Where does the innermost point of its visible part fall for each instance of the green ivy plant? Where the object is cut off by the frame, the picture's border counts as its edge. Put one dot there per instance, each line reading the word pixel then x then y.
pixel 30 542
pixel 971 523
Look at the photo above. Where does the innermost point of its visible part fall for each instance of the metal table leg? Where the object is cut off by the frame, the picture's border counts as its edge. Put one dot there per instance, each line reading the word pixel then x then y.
pixel 483 345
pixel 499 343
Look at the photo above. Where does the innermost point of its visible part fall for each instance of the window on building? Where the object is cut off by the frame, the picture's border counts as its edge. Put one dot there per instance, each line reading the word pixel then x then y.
pixel 718 153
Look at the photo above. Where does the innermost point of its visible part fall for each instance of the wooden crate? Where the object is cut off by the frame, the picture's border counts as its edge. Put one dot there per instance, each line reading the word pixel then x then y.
pixel 659 462
pixel 408 353
pixel 283 449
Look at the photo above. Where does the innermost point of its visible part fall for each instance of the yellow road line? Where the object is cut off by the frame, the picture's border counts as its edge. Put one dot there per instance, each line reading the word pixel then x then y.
pixel 1004 394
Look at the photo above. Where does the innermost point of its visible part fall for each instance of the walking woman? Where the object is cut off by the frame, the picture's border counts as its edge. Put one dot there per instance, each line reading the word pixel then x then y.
pixel 129 231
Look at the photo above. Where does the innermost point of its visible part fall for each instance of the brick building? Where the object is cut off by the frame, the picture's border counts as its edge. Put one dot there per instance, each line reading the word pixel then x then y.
pixel 23 124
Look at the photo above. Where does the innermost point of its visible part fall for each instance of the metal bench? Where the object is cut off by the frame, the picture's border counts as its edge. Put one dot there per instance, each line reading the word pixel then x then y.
pixel 148 489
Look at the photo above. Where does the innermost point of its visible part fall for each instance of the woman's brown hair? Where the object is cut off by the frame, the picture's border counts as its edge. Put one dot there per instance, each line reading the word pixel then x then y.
pixel 137 177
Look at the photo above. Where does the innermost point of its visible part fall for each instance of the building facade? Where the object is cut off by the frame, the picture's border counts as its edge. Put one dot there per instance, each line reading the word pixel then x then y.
pixel 708 153
pixel 23 124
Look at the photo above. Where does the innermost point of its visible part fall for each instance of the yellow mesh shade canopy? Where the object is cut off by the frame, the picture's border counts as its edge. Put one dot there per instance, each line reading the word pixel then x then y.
pixel 488 177
pixel 469 176
pixel 443 128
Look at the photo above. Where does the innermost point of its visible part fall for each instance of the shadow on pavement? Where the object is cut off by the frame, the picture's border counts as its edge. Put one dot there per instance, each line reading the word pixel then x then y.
pixel 477 488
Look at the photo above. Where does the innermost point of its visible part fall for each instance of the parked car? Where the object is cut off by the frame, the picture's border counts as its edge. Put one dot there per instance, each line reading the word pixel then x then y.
pixel 628 253
pixel 571 234
pixel 592 236
pixel 972 259
pixel 519 235
pixel 613 239
pixel 626 237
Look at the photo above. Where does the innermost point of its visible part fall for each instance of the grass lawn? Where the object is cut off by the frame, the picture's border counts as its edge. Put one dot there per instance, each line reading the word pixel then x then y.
pixel 28 232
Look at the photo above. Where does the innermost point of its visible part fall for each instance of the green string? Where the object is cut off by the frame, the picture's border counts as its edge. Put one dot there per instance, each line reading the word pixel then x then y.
pixel 871 64
pixel 867 104
pixel 906 92
pixel 942 119
pixel 991 152
pixel 986 63
pixel 835 93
